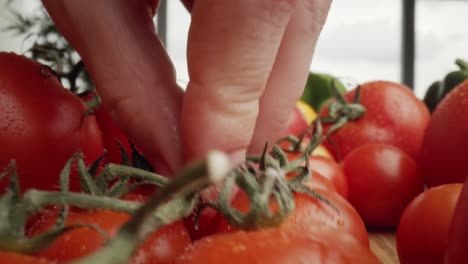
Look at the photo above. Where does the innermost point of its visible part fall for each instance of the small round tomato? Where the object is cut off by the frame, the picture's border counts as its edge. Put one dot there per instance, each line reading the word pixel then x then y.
pixel 41 124
pixel 423 231
pixel 297 122
pixel 317 181
pixel 329 169
pixel 394 115
pixel 15 258
pixel 309 212
pixel 278 246
pixel 163 246
pixel 444 148
pixel 382 181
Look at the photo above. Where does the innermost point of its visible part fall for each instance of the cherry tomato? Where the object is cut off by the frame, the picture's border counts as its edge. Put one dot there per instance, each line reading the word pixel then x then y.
pixel 309 212
pixel 444 148
pixel 394 115
pixel 41 124
pixel 278 245
pixel 161 247
pixel 301 117
pixel 329 169
pixel 317 181
pixel 382 181
pixel 423 231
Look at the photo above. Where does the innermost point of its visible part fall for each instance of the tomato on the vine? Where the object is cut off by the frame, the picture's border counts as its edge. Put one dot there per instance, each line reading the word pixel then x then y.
pixel 423 232
pixel 163 246
pixel 382 181
pixel 278 246
pixel 308 212
pixel 327 168
pixel 41 124
pixel 444 148
pixel 393 115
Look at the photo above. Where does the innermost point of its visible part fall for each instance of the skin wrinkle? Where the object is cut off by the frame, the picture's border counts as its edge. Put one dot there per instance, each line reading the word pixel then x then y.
pixel 223 98
pixel 289 72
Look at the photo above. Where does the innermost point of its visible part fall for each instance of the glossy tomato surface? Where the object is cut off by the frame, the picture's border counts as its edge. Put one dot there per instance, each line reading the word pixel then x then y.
pixel 309 212
pixel 394 115
pixel 382 181
pixel 444 150
pixel 163 246
pixel 423 231
pixel 41 124
pixel 278 246
pixel 327 168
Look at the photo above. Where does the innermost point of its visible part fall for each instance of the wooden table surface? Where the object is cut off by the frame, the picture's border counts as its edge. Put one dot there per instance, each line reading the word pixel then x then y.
pixel 384 247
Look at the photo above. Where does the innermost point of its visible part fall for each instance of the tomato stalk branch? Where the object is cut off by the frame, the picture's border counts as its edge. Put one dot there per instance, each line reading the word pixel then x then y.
pixel 183 187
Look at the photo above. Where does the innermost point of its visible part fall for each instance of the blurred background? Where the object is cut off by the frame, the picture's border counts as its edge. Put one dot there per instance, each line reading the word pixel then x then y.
pixel 361 41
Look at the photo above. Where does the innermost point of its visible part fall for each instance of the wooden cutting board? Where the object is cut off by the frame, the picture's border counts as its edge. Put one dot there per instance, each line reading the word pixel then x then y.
pixel 384 246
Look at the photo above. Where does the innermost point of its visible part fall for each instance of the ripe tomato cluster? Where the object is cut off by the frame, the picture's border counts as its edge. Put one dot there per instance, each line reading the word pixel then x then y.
pixel 394 166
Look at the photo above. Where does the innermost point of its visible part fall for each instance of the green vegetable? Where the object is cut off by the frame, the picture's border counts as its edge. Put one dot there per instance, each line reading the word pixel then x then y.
pixel 439 89
pixel 318 89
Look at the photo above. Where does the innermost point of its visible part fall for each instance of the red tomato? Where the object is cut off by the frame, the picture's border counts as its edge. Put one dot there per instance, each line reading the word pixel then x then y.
pixel 394 115
pixel 444 148
pixel 457 249
pixel 203 226
pixel 423 231
pixel 207 216
pixel 277 245
pixel 309 212
pixel 317 181
pixel 14 258
pixel 328 169
pixel 41 124
pixel 382 181
pixel 161 247
pixel 296 123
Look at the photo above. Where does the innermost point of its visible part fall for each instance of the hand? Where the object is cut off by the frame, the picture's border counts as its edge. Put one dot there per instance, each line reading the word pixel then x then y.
pixel 247 59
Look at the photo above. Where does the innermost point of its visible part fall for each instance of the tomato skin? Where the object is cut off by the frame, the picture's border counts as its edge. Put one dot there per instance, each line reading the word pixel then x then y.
pixel 203 227
pixel 382 181
pixel 277 245
pixel 317 181
pixel 444 149
pixel 15 258
pixel 162 246
pixel 394 115
pixel 423 231
pixel 309 212
pixel 40 124
pixel 328 169
pixel 296 123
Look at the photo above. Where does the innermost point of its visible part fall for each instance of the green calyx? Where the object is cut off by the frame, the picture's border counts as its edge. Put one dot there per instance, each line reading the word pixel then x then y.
pixel 264 180
pixel 318 89
pixel 439 89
